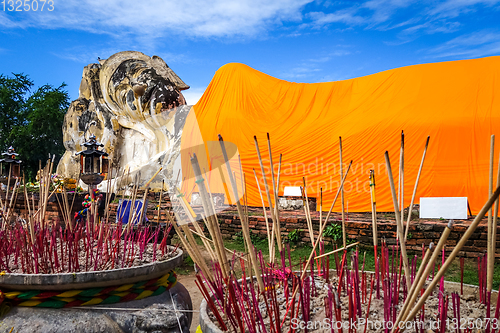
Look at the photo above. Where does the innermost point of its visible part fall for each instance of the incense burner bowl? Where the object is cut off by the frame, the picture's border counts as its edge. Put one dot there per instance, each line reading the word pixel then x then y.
pixel 171 311
pixel 92 179
pixel 93 279
pixel 206 324
pixel 469 291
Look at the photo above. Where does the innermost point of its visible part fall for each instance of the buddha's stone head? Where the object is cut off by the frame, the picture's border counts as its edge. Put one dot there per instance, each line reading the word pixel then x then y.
pixel 133 104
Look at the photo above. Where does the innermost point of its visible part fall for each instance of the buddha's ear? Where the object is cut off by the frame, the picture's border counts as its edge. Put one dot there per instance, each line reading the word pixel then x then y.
pixel 139 89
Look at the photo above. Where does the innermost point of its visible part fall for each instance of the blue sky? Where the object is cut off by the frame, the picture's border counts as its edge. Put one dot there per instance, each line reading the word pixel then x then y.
pixel 294 40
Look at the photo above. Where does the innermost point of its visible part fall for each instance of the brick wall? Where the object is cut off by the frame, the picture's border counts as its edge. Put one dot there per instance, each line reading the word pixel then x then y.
pixel 359 228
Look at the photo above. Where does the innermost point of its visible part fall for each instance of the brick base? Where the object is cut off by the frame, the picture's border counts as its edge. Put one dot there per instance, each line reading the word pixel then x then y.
pixel 359 228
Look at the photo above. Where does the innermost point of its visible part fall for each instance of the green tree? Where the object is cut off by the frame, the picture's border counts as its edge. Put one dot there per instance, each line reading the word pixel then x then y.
pixel 32 123
pixel 13 93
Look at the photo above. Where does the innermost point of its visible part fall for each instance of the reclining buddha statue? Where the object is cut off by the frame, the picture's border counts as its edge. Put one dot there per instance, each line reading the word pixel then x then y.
pixel 133 105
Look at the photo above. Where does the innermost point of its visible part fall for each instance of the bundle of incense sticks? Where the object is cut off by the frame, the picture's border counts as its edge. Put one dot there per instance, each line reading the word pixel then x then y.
pixel 32 245
pixel 238 304
pixel 271 293
pixel 57 250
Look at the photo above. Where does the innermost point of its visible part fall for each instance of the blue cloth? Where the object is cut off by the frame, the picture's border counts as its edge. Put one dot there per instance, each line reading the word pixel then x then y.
pixel 125 208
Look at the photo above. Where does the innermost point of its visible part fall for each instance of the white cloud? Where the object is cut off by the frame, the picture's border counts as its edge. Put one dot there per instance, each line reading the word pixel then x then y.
pixel 300 72
pixel 347 16
pixel 6 22
pixel 85 56
pixel 192 95
pixel 428 17
pixel 474 45
pixel 191 18
pixel 312 69
pixel 429 28
pixel 477 38
pixel 453 8
pixel 370 13
pixel 383 10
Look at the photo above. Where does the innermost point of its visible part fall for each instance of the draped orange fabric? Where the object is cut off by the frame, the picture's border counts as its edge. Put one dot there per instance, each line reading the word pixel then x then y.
pixel 456 103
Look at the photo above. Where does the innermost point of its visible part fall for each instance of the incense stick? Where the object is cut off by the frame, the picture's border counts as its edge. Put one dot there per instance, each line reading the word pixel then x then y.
pixel 275 193
pixel 159 202
pixel 305 201
pixel 337 250
pixel 203 237
pixel 344 238
pixel 490 251
pixel 402 176
pixel 374 212
pixel 244 226
pixel 323 227
pixel 207 209
pixel 273 216
pixel 415 188
pixel 278 186
pixel 494 222
pixel 468 233
pixel 398 221
pixel 423 273
pixel 270 236
pixel 320 210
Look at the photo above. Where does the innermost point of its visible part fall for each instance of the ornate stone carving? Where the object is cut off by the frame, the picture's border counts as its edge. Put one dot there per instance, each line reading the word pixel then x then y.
pixel 133 104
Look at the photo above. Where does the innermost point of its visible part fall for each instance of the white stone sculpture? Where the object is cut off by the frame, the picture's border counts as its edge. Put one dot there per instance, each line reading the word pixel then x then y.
pixel 133 104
